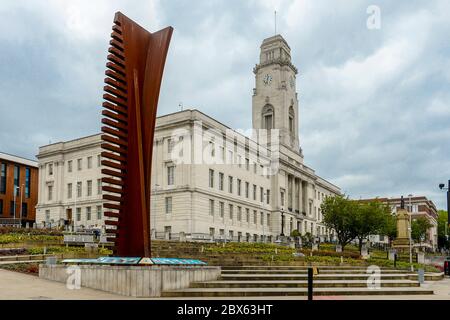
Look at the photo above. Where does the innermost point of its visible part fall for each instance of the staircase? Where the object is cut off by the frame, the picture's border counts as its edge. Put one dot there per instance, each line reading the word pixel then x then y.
pixel 272 281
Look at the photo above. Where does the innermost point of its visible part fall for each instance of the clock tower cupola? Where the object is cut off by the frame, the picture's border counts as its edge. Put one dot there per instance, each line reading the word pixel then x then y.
pixel 274 102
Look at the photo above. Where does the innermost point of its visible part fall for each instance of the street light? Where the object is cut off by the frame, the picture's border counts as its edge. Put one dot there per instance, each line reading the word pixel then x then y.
pixel 282 222
pixel 442 187
pixel 410 232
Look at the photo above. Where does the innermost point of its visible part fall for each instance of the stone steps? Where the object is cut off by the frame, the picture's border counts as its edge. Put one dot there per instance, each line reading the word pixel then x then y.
pixel 383 276
pixel 305 271
pixel 302 284
pixel 276 292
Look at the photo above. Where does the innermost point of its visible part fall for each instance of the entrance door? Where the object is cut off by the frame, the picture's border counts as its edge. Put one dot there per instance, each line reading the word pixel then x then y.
pixel 69 216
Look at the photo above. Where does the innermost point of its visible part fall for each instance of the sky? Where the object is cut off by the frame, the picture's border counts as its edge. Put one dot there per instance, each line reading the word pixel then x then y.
pixel 374 102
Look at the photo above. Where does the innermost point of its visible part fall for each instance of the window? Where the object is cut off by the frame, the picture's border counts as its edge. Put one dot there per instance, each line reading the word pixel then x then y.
pixel 247 187
pixel 255 218
pixel 79 189
pixel 79 164
pixel 16 179
pixel 89 162
pixel 211 178
pixel 239 187
pixel 180 143
pixel 12 208
pixel 89 188
pixel 221 181
pixel 239 158
pixel 211 207
pixel 222 154
pixel 50 193
pixel 99 186
pixel 169 145
pixel 267 116
pixel 222 209
pixel 230 184
pixel 254 192
pixel 88 213
pixel 230 209
pixel 50 169
pixel 247 164
pixel 230 157
pixel 47 216
pixel 69 191
pixel 170 175
pixel 268 196
pixel 78 214
pixel 27 182
pixel 212 147
pixel 99 212
pixel 1 207
pixel 3 178
pixel 268 219
pixel 239 217
pixel 247 215
pixel 255 168
pixel 212 231
pixel 69 166
pixel 168 205
pixel 282 197
pixel 262 218
pixel 99 160
pixel 261 193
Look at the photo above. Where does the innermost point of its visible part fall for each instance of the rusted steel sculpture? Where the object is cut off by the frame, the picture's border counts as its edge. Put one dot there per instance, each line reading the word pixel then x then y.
pixel 134 72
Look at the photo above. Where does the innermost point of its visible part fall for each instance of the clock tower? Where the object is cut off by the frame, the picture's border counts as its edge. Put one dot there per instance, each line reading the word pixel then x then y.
pixel 275 103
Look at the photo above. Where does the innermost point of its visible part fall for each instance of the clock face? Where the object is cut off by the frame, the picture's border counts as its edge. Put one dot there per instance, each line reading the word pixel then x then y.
pixel 292 81
pixel 267 79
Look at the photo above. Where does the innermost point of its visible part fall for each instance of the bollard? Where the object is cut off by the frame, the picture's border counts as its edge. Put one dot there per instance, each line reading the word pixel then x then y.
pixel 421 274
pixel 310 284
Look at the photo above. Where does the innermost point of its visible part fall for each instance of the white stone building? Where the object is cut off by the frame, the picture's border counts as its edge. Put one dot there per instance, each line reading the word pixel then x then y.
pixel 69 183
pixel 206 177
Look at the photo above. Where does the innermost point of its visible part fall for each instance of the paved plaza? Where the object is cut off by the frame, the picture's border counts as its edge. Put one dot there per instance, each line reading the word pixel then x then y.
pixel 17 286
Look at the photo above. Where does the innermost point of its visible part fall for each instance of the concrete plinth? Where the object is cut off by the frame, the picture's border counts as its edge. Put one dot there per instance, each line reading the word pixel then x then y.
pixel 135 281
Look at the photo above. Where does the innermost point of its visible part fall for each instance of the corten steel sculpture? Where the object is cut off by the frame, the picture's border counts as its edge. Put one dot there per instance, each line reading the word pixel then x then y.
pixel 134 72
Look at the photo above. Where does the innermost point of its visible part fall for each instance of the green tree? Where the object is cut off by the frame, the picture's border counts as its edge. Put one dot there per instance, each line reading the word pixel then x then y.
pixel 419 228
pixel 295 233
pixel 389 228
pixel 339 214
pixel 443 229
pixel 370 219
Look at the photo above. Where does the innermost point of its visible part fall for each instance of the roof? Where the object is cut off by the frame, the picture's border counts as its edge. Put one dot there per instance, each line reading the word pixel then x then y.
pixel 17 159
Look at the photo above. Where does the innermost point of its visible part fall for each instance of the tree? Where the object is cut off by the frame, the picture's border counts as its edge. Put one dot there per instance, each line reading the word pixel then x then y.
pixel 443 229
pixel 339 214
pixel 389 228
pixel 419 228
pixel 295 233
pixel 370 218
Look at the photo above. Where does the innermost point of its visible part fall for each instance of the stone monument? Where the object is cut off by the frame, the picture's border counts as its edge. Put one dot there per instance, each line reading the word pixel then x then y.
pixel 402 242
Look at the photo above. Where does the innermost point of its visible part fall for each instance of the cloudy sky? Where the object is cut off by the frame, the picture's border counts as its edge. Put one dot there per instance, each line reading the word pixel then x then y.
pixel 374 103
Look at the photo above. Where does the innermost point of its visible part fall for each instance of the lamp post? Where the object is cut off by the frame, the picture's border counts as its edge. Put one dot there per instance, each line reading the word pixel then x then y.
pixel 282 222
pixel 152 217
pixel 442 187
pixel 15 205
pixel 410 232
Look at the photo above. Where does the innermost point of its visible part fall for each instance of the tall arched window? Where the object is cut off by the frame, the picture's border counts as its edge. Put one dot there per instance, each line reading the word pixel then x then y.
pixel 291 120
pixel 268 117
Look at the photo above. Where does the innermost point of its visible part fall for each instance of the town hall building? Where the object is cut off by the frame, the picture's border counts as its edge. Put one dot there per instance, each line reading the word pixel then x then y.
pixel 208 180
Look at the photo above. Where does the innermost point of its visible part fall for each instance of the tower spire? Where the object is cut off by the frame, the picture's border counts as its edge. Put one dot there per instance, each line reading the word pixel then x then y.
pixel 275 22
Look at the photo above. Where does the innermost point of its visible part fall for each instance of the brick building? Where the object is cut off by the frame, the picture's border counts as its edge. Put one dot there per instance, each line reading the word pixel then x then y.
pixel 18 190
